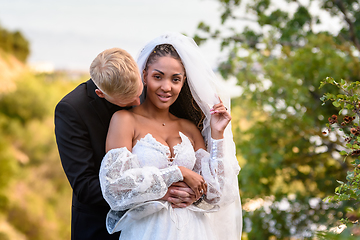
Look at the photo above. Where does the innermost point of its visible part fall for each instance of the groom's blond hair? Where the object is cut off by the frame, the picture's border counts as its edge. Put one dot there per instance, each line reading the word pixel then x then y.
pixel 116 73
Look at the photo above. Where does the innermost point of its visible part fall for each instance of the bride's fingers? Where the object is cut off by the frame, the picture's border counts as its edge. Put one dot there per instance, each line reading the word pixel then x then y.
pixel 217 96
pixel 219 106
pixel 205 187
pixel 220 111
pixel 223 113
pixel 196 192
pixel 201 191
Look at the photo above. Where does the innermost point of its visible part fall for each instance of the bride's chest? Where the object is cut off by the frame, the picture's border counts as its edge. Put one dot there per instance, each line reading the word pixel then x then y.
pixel 150 152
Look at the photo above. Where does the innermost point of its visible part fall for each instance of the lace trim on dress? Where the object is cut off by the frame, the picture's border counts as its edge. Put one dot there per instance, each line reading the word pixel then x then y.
pixel 125 184
pixel 184 154
pixel 148 141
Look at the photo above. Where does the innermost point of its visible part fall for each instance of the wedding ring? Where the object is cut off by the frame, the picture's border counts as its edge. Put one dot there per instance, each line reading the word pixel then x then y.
pixel 201 191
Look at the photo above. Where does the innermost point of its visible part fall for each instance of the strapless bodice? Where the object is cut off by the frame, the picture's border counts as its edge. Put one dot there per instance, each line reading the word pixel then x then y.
pixel 151 152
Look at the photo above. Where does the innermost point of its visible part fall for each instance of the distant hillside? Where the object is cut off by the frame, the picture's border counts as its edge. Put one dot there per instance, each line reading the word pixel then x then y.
pixel 35 196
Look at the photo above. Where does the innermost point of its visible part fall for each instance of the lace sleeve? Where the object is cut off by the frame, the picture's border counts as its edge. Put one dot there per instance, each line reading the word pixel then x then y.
pixel 217 173
pixel 124 183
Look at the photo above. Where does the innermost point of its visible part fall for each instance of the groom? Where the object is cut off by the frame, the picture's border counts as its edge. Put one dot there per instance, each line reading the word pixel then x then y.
pixel 81 122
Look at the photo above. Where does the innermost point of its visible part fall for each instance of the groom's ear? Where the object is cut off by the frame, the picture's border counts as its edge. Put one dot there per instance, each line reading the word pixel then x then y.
pixel 99 93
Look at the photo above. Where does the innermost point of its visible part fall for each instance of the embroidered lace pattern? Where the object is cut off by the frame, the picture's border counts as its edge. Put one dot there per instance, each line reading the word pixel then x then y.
pixel 128 179
pixel 125 183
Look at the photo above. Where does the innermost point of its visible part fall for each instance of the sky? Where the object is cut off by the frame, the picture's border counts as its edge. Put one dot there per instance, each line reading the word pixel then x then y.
pixel 69 34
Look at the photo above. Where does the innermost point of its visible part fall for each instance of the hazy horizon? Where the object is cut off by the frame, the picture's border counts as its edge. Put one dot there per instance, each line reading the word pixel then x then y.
pixel 69 34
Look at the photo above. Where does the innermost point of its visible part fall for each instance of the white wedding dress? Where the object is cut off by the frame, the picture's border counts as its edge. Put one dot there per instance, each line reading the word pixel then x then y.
pixel 133 180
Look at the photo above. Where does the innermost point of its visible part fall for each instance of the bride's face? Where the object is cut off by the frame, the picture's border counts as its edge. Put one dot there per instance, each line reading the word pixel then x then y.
pixel 164 79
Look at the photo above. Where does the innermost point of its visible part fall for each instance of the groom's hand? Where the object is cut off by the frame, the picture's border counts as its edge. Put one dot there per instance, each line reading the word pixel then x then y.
pixel 179 195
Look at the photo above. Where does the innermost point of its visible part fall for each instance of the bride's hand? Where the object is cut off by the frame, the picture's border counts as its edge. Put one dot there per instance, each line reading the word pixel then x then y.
pixel 220 118
pixel 195 181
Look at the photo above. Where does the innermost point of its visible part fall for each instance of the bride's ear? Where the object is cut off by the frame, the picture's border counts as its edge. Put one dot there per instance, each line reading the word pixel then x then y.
pixel 144 77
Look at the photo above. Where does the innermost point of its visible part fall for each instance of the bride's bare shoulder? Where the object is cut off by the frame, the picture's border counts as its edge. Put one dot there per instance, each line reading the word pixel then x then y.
pixel 193 132
pixel 187 124
pixel 123 116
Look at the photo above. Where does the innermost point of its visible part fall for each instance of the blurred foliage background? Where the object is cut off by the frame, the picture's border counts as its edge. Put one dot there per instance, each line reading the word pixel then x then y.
pixel 277 53
pixel 35 197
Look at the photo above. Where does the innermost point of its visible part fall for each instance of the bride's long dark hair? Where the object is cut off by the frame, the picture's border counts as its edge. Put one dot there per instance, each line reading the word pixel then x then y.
pixel 185 105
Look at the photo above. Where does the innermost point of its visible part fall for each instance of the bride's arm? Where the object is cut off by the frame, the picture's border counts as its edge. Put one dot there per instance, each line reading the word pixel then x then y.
pixel 121 131
pixel 212 165
pixel 123 182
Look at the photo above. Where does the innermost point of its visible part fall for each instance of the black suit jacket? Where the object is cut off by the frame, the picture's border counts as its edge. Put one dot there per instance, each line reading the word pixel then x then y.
pixel 81 124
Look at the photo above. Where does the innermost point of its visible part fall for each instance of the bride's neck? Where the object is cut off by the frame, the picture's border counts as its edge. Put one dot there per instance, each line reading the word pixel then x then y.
pixel 151 112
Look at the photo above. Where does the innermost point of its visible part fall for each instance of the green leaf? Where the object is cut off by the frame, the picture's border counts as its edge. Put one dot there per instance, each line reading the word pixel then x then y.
pixel 344 197
pixel 322 84
pixel 343 153
pixel 336 104
pixel 349 107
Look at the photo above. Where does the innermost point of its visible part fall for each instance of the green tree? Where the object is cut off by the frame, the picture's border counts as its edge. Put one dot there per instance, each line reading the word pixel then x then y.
pixel 35 196
pixel 279 57
pixel 14 43
pixel 27 103
pixel 20 46
pixel 348 101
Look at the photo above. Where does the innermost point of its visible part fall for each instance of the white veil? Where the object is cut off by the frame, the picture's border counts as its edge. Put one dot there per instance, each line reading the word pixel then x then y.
pixel 206 92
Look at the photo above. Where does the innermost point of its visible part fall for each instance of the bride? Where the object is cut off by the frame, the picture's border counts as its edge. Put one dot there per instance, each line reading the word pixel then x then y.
pixel 180 132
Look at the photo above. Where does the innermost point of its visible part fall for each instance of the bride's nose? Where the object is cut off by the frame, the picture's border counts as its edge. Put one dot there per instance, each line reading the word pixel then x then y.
pixel 166 85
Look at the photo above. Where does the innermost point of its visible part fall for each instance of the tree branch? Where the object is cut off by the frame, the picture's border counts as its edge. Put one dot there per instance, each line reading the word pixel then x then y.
pixel 353 37
pixel 244 19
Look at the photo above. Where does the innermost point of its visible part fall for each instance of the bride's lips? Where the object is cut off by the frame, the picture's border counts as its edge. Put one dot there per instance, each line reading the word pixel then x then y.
pixel 164 97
